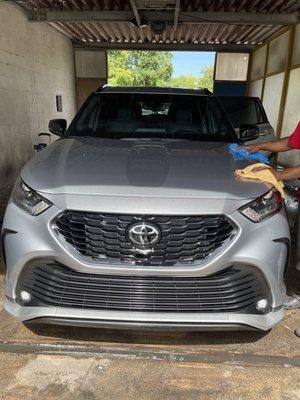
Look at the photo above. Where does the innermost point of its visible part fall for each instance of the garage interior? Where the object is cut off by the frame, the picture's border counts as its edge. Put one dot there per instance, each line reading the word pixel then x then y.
pixel 53 53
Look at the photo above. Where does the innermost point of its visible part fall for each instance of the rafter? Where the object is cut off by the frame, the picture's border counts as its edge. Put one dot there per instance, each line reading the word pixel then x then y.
pixel 242 18
pixel 136 13
pixel 176 14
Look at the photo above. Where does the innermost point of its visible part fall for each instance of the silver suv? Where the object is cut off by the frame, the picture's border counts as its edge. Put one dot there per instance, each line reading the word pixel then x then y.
pixel 134 218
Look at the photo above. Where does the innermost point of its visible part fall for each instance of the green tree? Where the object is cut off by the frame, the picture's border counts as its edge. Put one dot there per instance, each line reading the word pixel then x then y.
pixel 140 68
pixel 119 73
pixel 206 78
pixel 151 68
pixel 185 81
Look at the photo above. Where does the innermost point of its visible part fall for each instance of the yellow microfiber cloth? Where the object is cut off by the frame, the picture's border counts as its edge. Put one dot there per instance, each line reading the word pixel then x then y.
pixel 264 175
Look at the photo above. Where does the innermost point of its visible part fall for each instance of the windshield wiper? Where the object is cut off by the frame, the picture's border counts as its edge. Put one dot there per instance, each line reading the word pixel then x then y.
pixel 150 139
pixel 192 131
pixel 154 139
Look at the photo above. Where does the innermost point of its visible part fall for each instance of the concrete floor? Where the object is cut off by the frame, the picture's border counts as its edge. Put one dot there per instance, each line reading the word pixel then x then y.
pixel 65 377
pixel 74 363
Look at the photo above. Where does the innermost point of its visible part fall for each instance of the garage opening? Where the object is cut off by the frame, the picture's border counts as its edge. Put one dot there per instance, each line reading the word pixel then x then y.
pixel 192 70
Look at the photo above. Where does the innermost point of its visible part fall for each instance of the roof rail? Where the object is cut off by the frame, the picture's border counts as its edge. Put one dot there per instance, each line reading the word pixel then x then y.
pixel 207 91
pixel 101 87
pixel 140 88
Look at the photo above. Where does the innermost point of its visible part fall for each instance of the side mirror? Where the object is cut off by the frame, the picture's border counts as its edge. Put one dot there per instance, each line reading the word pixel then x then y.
pixel 41 142
pixel 248 132
pixel 58 126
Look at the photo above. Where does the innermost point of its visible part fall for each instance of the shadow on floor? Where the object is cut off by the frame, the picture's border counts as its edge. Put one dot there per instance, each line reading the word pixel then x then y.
pixel 147 337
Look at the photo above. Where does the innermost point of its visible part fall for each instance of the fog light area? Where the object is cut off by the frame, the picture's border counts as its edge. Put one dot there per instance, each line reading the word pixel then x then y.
pixel 262 305
pixel 25 296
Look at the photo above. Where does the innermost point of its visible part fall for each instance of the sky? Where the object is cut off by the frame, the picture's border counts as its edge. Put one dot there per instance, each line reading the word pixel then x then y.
pixel 191 62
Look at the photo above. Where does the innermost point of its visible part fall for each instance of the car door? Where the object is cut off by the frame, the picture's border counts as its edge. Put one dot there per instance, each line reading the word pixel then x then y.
pixel 244 110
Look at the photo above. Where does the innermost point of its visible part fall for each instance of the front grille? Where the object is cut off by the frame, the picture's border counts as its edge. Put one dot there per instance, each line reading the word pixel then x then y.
pixel 183 239
pixel 235 289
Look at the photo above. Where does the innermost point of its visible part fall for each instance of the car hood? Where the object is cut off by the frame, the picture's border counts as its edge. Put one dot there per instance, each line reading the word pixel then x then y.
pixel 177 169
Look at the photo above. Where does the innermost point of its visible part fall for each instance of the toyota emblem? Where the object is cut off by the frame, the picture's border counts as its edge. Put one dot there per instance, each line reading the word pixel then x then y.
pixel 143 235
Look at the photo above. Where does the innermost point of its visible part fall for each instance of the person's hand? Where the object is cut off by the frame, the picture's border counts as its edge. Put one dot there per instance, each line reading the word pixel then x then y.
pixel 277 174
pixel 251 148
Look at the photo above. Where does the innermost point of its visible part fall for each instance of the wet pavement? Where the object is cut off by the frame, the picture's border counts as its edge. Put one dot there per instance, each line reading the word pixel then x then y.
pixel 78 363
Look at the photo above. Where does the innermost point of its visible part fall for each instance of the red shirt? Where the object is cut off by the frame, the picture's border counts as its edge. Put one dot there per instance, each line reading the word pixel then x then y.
pixel 294 140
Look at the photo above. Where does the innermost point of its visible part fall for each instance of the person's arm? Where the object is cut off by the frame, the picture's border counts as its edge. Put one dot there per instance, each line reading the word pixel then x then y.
pixel 284 175
pixel 288 173
pixel 274 147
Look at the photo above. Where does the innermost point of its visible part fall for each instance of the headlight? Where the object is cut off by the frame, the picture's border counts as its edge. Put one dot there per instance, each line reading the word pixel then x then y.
pixel 263 207
pixel 29 200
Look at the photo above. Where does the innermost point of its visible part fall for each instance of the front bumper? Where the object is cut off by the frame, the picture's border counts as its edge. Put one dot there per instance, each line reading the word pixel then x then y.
pixel 151 321
pixel 262 245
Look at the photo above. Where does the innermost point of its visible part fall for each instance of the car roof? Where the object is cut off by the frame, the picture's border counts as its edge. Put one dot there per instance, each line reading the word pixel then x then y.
pixel 149 90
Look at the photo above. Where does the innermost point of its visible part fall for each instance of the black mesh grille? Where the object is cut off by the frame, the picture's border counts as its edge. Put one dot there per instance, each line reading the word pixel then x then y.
pixel 183 238
pixel 235 289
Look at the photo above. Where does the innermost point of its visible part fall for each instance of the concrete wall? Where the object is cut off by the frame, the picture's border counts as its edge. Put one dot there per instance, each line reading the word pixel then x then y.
pixel 91 64
pixel 36 64
pixel 91 73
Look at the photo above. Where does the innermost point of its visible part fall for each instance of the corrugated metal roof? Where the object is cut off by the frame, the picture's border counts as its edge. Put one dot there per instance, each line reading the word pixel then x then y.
pixel 260 6
pixel 117 32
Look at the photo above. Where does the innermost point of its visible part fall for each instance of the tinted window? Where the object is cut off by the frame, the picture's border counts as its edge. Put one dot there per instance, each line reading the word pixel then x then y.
pixel 120 115
pixel 243 110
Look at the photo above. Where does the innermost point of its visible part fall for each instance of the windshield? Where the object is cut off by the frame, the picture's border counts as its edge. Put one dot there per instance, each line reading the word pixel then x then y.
pixel 152 116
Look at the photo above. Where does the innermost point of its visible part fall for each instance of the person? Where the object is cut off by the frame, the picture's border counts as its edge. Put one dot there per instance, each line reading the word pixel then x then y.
pixel 278 146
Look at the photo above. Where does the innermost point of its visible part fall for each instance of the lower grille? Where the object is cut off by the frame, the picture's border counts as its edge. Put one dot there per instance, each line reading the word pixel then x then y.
pixel 183 239
pixel 235 289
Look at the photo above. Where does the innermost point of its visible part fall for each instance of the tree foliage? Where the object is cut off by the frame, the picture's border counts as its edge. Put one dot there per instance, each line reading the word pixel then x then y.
pixel 119 72
pixel 140 68
pixel 152 68
pixel 184 81
pixel 206 78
